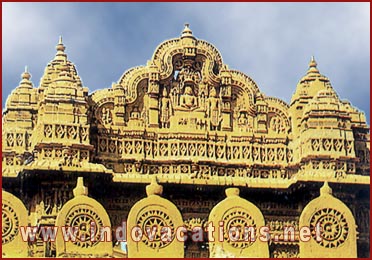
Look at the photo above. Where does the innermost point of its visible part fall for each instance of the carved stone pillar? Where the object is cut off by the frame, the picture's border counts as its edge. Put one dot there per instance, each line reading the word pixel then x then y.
pixel 261 115
pixel 119 105
pixel 153 94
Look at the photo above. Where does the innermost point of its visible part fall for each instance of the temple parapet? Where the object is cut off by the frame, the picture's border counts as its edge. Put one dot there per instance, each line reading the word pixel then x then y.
pixel 189 112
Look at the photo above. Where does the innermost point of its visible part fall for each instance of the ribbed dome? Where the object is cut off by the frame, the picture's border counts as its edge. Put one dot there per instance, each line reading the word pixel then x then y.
pixel 21 95
pixel 311 83
pixel 59 67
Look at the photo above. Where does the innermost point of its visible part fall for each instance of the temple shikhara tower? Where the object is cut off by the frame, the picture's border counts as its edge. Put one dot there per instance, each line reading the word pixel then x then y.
pixel 183 141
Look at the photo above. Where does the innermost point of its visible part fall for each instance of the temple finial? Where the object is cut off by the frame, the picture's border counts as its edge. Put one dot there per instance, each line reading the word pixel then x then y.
pixel 154 188
pixel 26 75
pixel 187 31
pixel 325 189
pixel 313 66
pixel 80 189
pixel 312 62
pixel 60 47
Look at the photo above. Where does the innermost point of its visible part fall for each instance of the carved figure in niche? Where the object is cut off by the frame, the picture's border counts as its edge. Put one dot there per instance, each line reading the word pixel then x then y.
pixel 202 95
pixel 106 116
pixel 202 100
pixel 188 100
pixel 76 112
pixel 144 114
pixel 214 109
pixel 243 121
pixel 277 125
pixel 135 114
pixel 174 93
pixel 239 105
pixel 165 109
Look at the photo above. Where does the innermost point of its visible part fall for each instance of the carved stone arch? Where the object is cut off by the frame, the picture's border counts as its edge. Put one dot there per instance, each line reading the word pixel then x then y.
pixel 337 237
pixel 278 111
pixel 163 56
pixel 213 63
pixel 237 216
pixel 147 213
pixel 102 103
pixel 130 81
pixel 246 83
pixel 81 212
pixel 164 53
pixel 210 50
pixel 14 216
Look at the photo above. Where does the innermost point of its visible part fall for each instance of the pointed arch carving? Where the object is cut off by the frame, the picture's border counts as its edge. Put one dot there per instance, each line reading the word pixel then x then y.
pixel 80 212
pixel 155 211
pixel 278 120
pixel 338 229
pixel 14 216
pixel 237 214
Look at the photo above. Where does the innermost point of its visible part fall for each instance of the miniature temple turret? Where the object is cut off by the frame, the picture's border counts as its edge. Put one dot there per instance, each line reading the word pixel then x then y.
pixel 306 89
pixel 19 119
pixel 322 125
pixel 62 114
pixel 21 104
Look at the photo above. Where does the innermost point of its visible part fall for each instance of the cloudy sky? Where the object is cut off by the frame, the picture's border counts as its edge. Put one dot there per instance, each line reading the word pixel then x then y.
pixel 270 42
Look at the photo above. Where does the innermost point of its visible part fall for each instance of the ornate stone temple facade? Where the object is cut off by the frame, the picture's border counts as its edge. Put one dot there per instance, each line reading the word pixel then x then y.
pixel 213 146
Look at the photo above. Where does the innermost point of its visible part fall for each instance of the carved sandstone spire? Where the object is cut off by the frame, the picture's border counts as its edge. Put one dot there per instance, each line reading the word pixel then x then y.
pixel 60 46
pixel 186 33
pixel 26 76
pixel 60 55
pixel 312 66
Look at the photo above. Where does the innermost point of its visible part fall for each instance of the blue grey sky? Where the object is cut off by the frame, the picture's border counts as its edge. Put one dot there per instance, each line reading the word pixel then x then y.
pixel 270 42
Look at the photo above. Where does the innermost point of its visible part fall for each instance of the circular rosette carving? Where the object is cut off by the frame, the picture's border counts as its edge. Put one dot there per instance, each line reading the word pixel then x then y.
pixel 152 222
pixel 88 224
pixel 334 227
pixel 238 222
pixel 10 220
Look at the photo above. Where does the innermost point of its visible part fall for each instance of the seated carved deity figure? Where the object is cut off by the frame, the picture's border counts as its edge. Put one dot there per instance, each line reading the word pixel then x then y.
pixel 188 100
pixel 243 121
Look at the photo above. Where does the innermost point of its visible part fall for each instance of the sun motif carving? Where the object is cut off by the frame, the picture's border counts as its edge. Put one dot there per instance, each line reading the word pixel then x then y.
pixel 159 219
pixel 10 224
pixel 89 226
pixel 238 221
pixel 334 227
